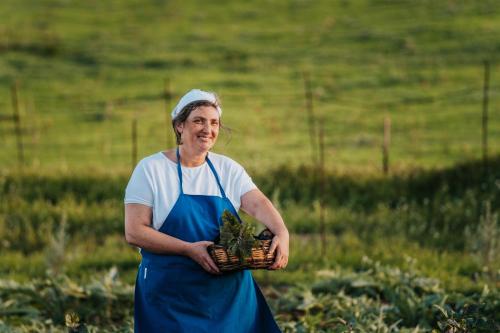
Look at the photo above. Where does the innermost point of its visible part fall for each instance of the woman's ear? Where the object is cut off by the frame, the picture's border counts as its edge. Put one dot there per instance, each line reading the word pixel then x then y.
pixel 180 127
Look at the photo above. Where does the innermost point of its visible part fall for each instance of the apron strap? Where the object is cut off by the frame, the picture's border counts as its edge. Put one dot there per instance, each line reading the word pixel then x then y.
pixel 179 172
pixel 221 189
pixel 216 177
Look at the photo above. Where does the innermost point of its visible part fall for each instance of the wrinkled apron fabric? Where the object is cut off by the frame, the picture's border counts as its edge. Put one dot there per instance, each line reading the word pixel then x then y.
pixel 175 294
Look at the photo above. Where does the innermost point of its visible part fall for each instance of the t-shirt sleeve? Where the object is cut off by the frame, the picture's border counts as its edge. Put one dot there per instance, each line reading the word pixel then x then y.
pixel 239 181
pixel 247 183
pixel 140 188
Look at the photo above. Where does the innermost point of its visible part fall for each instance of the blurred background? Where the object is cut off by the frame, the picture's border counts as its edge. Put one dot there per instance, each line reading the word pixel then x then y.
pixel 372 125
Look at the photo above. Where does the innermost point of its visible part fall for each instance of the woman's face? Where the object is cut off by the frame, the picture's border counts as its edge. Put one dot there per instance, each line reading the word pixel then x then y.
pixel 201 128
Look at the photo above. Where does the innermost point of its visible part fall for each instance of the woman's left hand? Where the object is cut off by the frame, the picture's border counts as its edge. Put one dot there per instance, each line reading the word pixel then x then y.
pixel 280 245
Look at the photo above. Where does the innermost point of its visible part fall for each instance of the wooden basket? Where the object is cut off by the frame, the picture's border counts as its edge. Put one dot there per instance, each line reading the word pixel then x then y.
pixel 260 258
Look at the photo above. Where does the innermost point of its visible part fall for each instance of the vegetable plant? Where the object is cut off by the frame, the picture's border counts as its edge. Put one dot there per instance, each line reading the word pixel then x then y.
pixel 237 236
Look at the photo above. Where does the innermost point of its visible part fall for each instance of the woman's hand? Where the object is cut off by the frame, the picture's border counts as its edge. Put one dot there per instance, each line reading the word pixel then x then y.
pixel 199 253
pixel 256 204
pixel 280 245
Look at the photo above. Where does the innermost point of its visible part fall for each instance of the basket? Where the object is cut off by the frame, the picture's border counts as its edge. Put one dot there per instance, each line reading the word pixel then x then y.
pixel 260 258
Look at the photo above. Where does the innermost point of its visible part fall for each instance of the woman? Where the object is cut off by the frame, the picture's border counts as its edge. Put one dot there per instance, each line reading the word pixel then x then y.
pixel 173 204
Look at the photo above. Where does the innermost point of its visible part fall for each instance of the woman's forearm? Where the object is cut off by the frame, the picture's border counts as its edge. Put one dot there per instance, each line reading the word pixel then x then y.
pixel 271 218
pixel 152 240
pixel 139 233
pixel 256 204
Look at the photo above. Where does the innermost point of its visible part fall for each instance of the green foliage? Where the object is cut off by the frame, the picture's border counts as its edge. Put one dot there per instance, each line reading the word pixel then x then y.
pixel 36 205
pixel 382 299
pixel 376 298
pixel 438 208
pixel 485 240
pixel 237 237
pixel 105 302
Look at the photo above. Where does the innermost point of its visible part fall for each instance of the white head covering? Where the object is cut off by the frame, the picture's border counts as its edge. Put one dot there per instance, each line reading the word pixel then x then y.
pixel 196 95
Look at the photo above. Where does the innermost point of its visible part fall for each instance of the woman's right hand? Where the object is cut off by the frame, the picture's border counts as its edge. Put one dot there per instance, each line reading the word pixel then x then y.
pixel 199 253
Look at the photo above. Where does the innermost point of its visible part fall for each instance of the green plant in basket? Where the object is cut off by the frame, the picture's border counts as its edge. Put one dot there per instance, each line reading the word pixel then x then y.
pixel 237 237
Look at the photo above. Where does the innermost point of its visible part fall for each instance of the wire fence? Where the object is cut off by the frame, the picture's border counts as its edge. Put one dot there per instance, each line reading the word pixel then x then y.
pixel 110 129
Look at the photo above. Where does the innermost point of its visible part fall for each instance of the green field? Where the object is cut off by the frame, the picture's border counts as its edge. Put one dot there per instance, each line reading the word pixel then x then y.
pixel 85 69
pixel 412 251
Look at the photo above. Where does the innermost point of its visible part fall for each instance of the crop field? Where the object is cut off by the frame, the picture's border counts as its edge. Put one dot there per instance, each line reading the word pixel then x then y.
pixel 415 249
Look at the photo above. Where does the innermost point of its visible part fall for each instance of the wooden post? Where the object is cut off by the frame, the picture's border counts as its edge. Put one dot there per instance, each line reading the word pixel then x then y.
pixel 310 116
pixel 134 141
pixel 17 122
pixel 486 85
pixel 167 95
pixel 385 145
pixel 322 189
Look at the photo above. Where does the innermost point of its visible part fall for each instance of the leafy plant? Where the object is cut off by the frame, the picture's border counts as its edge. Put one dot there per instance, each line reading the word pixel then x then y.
pixel 375 298
pixel 237 237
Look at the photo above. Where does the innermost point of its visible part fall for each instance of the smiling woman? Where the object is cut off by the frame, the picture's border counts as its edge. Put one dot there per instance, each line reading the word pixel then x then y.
pixel 173 207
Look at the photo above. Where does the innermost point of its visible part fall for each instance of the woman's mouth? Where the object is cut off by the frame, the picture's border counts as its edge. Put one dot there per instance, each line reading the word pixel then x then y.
pixel 204 138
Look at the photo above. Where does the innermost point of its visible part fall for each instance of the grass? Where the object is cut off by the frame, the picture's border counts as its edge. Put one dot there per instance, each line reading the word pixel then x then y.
pixel 84 73
pixel 75 222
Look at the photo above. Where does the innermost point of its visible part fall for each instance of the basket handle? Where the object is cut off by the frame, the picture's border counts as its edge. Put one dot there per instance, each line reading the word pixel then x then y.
pixel 265 234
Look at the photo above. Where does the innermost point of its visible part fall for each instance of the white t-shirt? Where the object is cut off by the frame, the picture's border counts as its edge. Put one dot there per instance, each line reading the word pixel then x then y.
pixel 155 183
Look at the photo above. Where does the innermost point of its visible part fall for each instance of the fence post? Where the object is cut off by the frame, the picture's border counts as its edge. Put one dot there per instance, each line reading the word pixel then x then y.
pixel 486 85
pixel 322 227
pixel 167 95
pixel 134 141
pixel 17 122
pixel 385 145
pixel 310 113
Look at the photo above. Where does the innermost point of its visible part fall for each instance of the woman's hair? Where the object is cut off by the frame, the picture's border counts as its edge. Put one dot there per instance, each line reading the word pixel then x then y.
pixel 184 114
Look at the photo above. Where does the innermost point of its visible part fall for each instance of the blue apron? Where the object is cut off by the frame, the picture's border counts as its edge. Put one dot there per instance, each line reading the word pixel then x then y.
pixel 173 293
